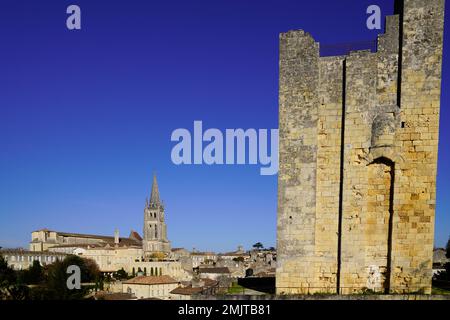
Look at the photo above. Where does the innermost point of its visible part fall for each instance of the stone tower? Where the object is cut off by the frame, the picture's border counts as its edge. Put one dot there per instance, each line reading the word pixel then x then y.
pixel 358 159
pixel 155 230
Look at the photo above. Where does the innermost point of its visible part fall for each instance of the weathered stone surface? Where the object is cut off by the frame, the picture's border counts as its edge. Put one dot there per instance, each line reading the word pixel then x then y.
pixel 358 159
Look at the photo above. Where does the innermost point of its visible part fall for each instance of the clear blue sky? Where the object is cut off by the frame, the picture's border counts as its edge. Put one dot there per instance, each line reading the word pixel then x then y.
pixel 86 116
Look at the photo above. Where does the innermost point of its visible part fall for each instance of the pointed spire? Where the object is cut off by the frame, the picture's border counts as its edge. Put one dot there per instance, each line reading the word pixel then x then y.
pixel 154 196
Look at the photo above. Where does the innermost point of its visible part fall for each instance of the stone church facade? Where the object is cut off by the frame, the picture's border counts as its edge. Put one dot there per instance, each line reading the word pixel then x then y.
pixel 113 249
pixel 358 159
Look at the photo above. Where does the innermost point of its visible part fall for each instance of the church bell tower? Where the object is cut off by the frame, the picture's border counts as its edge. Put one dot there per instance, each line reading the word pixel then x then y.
pixel 155 229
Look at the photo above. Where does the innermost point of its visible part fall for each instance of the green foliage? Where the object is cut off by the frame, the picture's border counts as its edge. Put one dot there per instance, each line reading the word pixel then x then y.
pixel 50 283
pixel 57 277
pixel 447 252
pixel 34 275
pixel 7 280
pixel 323 293
pixel 238 259
pixel 10 288
pixel 258 245
pixel 440 291
pixel 42 293
pixel 235 289
pixel 18 292
pixel 367 291
pixel 56 282
pixel 445 275
pixel 7 274
pixel 120 274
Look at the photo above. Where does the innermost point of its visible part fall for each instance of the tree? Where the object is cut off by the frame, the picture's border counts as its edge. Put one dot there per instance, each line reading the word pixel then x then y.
pixel 445 275
pixel 238 259
pixel 33 275
pixel 18 292
pixel 7 279
pixel 258 246
pixel 447 253
pixel 7 274
pixel 57 277
pixel 41 293
pixel 120 274
pixel 92 271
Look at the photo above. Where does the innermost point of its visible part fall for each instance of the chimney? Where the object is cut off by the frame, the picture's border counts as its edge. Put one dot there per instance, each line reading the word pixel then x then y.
pixel 116 237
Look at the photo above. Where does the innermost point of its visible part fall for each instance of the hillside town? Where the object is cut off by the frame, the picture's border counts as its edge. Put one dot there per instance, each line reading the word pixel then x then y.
pixel 136 267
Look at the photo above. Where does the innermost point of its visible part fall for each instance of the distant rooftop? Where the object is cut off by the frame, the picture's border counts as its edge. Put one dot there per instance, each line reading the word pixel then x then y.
pixel 203 253
pixel 214 270
pixel 151 280
pixel 134 239
pixel 28 252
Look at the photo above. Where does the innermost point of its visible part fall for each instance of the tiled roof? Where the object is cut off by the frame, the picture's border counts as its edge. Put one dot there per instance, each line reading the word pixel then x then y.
pixel 186 290
pixel 135 235
pixel 75 245
pixel 214 270
pixel 264 275
pixel 237 254
pixel 152 280
pixel 203 254
pixel 107 239
pixel 210 282
pixel 114 296
pixel 28 252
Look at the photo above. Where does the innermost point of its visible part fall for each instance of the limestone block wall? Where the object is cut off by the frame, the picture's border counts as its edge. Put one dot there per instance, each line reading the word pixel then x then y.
pixel 328 171
pixel 299 82
pixel 358 158
pixel 417 142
